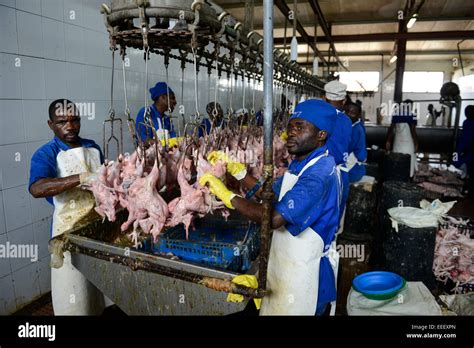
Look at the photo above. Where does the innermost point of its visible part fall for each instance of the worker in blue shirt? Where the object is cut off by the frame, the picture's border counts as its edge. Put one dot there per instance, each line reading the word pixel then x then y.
pixel 305 215
pixel 338 144
pixel 216 116
pixel 357 147
pixel 161 122
pixel 58 170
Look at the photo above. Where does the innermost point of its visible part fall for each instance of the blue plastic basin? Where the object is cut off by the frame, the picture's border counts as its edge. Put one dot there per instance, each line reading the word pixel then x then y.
pixel 378 285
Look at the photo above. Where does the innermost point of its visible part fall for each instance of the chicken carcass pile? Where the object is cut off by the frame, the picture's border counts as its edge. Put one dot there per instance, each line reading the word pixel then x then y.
pixel 454 255
pixel 444 190
pixel 195 200
pixel 444 182
pixel 133 182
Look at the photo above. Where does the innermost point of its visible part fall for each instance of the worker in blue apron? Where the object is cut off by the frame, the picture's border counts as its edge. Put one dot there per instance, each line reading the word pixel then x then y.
pixel 216 116
pixel 357 148
pixel 160 94
pixel 58 169
pixel 303 261
pixel 338 144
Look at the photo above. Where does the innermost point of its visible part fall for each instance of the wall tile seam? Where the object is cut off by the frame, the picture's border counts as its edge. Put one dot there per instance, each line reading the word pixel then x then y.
pixel 27 225
pixel 59 60
pixel 55 19
pixel 83 64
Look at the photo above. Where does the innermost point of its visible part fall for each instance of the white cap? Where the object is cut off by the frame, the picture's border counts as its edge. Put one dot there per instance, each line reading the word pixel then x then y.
pixel 335 90
pixel 241 111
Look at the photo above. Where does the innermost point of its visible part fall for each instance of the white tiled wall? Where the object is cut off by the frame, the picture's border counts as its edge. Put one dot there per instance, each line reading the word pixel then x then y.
pixel 52 49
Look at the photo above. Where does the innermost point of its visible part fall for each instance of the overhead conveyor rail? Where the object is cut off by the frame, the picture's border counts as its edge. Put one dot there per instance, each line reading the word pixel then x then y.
pixel 181 24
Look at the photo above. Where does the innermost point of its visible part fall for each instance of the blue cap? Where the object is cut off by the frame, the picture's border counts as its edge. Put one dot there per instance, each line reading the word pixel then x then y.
pixel 159 90
pixel 321 114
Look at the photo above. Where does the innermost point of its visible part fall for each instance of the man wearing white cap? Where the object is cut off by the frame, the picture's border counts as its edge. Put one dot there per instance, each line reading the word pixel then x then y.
pixel 338 144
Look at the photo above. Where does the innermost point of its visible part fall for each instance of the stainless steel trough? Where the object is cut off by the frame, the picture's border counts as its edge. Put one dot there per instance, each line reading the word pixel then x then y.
pixel 142 283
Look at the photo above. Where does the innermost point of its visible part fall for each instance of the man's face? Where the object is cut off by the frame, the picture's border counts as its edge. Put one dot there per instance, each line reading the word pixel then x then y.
pixel 303 137
pixel 352 113
pixel 66 125
pixel 164 100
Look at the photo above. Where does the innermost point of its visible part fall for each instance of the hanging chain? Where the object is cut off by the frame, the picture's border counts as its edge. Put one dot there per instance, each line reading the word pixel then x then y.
pixel 253 94
pixel 146 56
pixel 127 109
pixel 130 121
pixel 195 85
pixel 167 63
pixel 243 88
pixel 215 112
pixel 111 110
pixel 231 102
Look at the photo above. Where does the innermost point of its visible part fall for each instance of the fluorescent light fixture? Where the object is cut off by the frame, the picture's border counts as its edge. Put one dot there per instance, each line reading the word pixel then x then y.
pixel 412 21
pixel 294 48
pixel 315 66
pixel 393 59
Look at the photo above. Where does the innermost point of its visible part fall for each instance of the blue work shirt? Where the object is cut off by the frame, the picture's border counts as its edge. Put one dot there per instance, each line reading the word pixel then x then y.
pixel 358 146
pixel 464 146
pixel 313 202
pixel 44 161
pixel 206 124
pixel 338 145
pixel 145 132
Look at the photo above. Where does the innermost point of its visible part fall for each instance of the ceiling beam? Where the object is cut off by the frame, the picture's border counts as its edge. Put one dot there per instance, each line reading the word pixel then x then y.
pixel 283 7
pixel 380 37
pixel 326 29
pixel 388 53
pixel 310 24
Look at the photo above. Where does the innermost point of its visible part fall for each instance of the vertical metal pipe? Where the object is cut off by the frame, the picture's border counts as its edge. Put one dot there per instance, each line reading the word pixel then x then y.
pixel 401 55
pixel 381 80
pixel 267 139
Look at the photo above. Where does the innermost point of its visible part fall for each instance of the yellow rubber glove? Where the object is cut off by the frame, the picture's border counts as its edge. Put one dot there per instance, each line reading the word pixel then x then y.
pixel 171 142
pixel 284 136
pixel 218 189
pixel 248 281
pixel 236 169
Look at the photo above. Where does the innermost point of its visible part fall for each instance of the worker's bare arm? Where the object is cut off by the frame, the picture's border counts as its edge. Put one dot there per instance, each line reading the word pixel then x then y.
pixel 254 211
pixel 249 182
pixel 49 187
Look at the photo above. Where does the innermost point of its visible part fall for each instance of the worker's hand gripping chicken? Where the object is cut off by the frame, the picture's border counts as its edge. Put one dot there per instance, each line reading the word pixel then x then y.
pixel 303 262
pixel 58 169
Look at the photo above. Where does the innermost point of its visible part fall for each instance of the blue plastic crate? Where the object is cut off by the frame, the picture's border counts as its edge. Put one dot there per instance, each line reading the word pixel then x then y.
pixel 230 245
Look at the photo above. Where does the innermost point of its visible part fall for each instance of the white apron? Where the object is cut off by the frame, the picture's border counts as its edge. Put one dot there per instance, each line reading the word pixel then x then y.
pixel 71 292
pixel 293 265
pixel 403 143
pixel 162 133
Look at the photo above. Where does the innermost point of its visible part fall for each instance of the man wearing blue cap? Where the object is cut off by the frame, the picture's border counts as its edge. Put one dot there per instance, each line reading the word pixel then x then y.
pixel 303 262
pixel 339 144
pixel 160 94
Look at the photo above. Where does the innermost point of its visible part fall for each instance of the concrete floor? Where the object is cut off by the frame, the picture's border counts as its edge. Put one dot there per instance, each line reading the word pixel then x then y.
pixel 44 307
